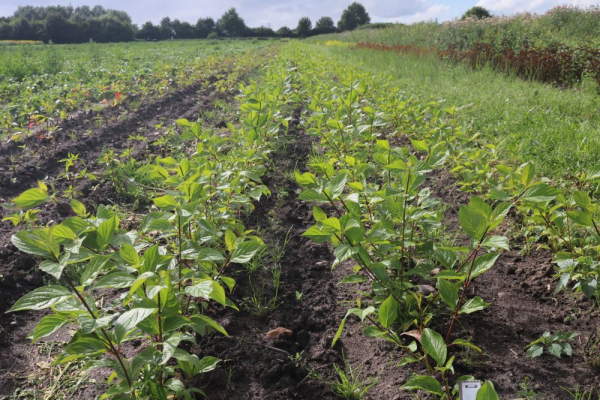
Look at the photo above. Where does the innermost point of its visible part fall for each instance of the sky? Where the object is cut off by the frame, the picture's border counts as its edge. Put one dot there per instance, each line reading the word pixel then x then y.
pixel 277 13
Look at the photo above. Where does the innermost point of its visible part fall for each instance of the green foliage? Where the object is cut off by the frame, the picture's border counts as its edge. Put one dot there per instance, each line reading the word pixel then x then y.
pixel 324 25
pixel 231 24
pixel 574 26
pixel 555 344
pixel 62 24
pixel 477 12
pixel 350 385
pixel 35 106
pixel 353 16
pixel 304 27
pixel 382 218
pixel 170 270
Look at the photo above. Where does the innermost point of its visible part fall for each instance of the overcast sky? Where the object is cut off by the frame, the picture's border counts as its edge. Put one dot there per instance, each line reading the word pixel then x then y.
pixel 279 13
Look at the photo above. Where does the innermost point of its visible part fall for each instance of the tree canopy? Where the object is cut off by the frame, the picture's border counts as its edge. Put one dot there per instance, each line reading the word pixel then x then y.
pixel 304 27
pixel 231 24
pixel 353 16
pixel 324 25
pixel 477 12
pixel 66 24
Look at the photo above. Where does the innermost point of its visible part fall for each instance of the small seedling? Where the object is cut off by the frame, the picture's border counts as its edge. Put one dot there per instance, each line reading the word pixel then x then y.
pixel 556 344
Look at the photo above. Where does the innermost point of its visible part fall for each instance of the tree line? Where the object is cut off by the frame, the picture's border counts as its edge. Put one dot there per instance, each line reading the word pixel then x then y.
pixel 67 24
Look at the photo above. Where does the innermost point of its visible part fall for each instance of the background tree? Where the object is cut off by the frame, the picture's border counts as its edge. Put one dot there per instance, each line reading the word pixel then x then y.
pixel 231 24
pixel 204 26
pixel 284 31
pixel 324 25
pixel 65 24
pixel 166 28
pixel 304 27
pixel 149 31
pixel 262 31
pixel 477 12
pixel 353 16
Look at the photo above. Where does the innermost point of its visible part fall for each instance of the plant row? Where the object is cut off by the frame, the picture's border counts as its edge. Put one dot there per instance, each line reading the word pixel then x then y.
pixel 559 65
pixel 38 101
pixel 162 280
pixel 372 203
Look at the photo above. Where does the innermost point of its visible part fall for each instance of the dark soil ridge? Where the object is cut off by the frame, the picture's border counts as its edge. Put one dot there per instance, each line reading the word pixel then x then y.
pixel 16 269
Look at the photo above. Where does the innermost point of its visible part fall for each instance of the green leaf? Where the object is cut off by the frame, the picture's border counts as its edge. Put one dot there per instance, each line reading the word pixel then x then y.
pixel 245 251
pixel 388 312
pixel 474 223
pixel 581 218
pixel 166 202
pixel 199 320
pixel 555 349
pixel 169 347
pixel 319 234
pixel 474 304
pixel 353 279
pixel 129 254
pixel 487 392
pixel 535 350
pixel 41 298
pixel 207 289
pixel 54 269
pixel 319 214
pixel 449 292
pixel 208 364
pixel 496 242
pixel 312 195
pixel 344 252
pixel 336 187
pixel 116 280
pixel 230 241
pixel 130 319
pixel 47 326
pixel 84 346
pixel 36 242
pixel 31 198
pixel 420 145
pixel 528 174
pixel 589 286
pixel 305 179
pixel 339 332
pixel 90 325
pixel 106 231
pixel 540 193
pixel 423 382
pixel 450 275
pixel 361 313
pixel 483 263
pixel 78 208
pixel 434 345
pixel 466 343
pixel 210 255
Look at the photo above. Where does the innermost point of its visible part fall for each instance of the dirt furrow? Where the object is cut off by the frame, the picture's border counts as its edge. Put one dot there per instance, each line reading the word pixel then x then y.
pixel 257 366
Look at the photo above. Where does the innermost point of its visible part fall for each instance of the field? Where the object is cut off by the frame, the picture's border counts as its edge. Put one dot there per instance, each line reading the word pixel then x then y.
pixel 293 220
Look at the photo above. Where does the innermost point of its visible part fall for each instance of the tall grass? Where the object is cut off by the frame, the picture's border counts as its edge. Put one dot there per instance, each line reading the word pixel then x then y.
pixel 568 25
pixel 557 129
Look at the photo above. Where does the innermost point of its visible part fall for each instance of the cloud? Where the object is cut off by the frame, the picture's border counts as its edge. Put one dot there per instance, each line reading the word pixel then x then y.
pixel 535 6
pixel 436 11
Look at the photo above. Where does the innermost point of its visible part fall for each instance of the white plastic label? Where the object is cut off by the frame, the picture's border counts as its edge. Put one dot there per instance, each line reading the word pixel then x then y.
pixel 468 390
